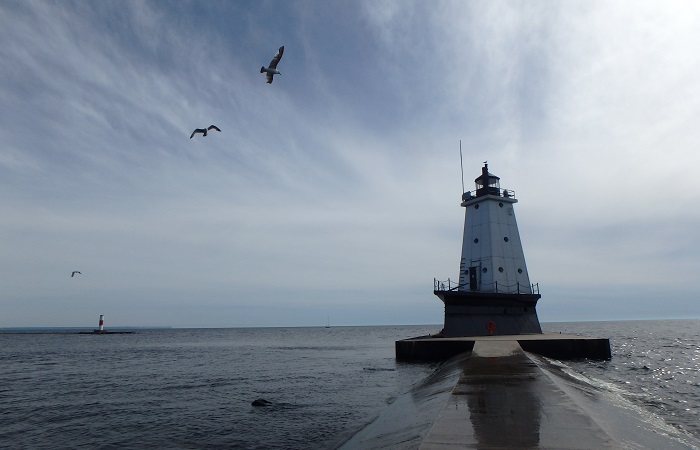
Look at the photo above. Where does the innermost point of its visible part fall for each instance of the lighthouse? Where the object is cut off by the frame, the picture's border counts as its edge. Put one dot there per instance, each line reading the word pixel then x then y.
pixel 494 295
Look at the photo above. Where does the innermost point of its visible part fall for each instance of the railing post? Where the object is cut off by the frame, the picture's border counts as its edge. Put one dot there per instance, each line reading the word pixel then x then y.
pixel 497 287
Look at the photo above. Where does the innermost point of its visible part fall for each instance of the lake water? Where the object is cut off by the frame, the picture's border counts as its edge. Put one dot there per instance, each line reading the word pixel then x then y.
pixel 193 388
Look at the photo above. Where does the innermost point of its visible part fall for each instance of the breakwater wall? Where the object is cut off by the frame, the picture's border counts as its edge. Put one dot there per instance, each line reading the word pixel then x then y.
pixel 497 395
pixel 551 345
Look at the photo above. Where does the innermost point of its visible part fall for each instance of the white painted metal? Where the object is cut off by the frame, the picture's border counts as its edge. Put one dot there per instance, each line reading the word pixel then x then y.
pixel 491 244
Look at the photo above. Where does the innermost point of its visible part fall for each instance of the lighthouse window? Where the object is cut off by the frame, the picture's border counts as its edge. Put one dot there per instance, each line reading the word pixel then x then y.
pixel 500 269
pixel 500 204
pixel 476 240
pixel 484 270
pixel 505 239
pixel 476 206
pixel 466 271
pixel 520 270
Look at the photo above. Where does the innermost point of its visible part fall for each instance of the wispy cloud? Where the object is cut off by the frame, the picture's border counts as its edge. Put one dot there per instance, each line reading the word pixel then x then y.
pixel 337 187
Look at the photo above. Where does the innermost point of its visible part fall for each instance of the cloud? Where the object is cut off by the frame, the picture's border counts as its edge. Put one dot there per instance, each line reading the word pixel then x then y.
pixel 337 187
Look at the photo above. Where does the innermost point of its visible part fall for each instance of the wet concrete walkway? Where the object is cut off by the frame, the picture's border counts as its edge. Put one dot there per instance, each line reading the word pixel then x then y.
pixel 503 400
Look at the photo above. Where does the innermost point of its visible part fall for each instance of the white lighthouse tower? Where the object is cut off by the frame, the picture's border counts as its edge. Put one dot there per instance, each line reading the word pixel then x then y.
pixel 494 294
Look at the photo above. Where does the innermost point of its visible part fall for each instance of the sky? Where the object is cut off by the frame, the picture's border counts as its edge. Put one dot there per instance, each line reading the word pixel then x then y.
pixel 333 194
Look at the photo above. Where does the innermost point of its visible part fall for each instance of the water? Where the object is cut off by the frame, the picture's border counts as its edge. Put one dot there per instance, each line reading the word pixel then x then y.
pixel 655 365
pixel 193 388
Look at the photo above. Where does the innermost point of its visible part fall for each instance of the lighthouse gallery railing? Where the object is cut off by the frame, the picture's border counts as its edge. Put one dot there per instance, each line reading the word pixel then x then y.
pixel 495 287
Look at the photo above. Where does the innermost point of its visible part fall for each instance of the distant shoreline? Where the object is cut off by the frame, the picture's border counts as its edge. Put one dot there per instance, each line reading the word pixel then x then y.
pixel 438 325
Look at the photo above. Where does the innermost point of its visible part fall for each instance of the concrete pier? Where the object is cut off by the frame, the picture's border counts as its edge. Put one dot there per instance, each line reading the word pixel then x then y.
pixel 101 332
pixel 498 396
pixel 551 345
pixel 509 399
pixel 503 400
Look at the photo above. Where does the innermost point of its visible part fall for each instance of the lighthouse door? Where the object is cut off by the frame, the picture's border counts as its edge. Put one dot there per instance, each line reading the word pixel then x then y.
pixel 472 278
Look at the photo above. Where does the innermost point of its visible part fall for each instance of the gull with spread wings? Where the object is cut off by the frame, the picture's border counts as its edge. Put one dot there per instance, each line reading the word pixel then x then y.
pixel 204 130
pixel 272 70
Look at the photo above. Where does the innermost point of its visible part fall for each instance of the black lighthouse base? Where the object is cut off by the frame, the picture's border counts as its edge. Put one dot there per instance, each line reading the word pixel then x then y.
pixel 469 313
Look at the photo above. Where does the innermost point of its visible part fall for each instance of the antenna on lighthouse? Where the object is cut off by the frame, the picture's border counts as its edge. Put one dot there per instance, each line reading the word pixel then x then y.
pixel 461 164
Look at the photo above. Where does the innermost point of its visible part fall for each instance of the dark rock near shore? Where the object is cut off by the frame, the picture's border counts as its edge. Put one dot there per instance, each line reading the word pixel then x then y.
pixel 261 402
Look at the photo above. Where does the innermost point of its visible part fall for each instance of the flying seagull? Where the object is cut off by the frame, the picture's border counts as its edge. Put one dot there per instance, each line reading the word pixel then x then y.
pixel 272 70
pixel 204 130
pixel 74 272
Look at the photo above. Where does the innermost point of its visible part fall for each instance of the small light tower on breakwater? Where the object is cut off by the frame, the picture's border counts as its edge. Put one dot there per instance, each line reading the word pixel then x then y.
pixel 101 328
pixel 494 294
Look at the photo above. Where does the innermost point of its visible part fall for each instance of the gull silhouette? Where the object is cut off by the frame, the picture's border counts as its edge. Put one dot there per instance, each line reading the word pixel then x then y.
pixel 272 70
pixel 204 130
pixel 74 272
